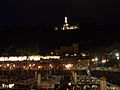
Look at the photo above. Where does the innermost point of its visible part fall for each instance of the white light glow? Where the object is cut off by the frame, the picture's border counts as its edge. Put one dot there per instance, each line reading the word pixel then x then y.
pixel 96 59
pixel 33 65
pixel 11 85
pixel 24 67
pixel 8 86
pixel 39 67
pixel 104 61
pixel 93 60
pixel 22 58
pixel 68 66
pixel 75 54
pixel 52 53
pixel 30 65
pixel 51 66
pixel 14 65
pixel 117 54
pixel 8 65
pixel 118 58
pixel 66 54
pixel 83 54
pixel 69 84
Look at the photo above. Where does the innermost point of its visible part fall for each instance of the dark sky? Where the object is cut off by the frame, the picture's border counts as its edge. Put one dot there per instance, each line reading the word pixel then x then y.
pixel 16 15
pixel 32 12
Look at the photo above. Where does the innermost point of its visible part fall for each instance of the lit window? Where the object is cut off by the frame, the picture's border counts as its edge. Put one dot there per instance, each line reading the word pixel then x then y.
pixel 75 54
pixel 83 54
pixel 117 54
pixel 30 65
pixel 96 59
pixel 79 60
pixel 93 60
pixel 14 65
pixel 66 54
pixel 104 61
pixel 68 66
pixel 39 67
pixel 33 65
pixel 51 52
pixel 8 65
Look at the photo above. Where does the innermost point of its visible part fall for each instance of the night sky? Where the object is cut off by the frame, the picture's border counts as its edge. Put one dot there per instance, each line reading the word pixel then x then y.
pixel 26 17
pixel 32 12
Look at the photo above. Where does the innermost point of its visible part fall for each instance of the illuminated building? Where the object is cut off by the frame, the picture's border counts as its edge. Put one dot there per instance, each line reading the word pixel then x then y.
pixel 66 26
pixel 28 62
pixel 30 58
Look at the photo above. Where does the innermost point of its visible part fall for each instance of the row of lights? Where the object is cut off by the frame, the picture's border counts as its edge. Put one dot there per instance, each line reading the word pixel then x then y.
pixel 22 58
pixel 83 54
pixel 104 61
pixel 30 66
pixel 70 55
pixel 11 66
pixel 117 55
pixel 96 59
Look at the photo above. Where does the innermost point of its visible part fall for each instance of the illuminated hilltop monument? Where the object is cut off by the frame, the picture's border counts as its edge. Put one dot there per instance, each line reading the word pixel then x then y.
pixel 66 26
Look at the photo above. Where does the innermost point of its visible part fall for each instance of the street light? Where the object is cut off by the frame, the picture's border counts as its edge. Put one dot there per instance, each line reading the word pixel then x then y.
pixel 117 54
pixel 118 58
pixel 104 61
pixel 96 59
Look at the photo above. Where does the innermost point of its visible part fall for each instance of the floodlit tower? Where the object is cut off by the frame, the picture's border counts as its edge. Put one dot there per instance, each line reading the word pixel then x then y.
pixel 66 20
pixel 65 26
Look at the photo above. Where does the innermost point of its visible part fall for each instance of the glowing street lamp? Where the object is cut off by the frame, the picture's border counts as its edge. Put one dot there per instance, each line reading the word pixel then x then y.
pixel 14 65
pixel 96 59
pixel 117 54
pixel 30 65
pixel 52 53
pixel 51 66
pixel 104 61
pixel 118 58
pixel 8 65
pixel 69 83
pixel 39 67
